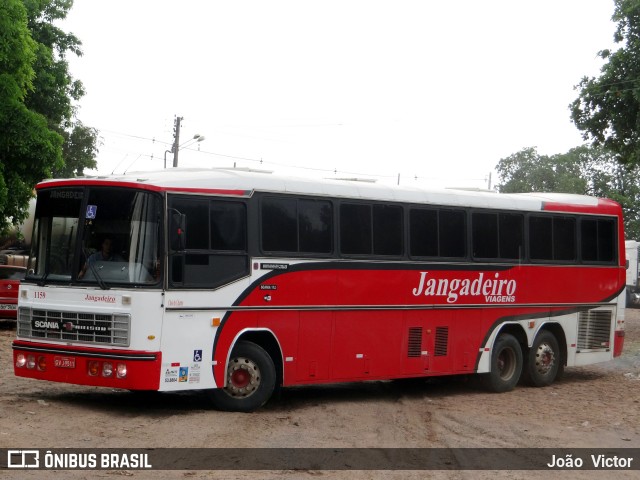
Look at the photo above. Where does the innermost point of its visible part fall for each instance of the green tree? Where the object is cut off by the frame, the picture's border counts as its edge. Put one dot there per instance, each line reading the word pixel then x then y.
pixel 528 171
pixel 607 110
pixel 79 150
pixel 583 170
pixel 29 150
pixel 55 90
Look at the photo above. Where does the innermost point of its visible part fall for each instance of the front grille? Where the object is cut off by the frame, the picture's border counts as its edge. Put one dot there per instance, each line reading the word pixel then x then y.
pixel 594 329
pixel 96 328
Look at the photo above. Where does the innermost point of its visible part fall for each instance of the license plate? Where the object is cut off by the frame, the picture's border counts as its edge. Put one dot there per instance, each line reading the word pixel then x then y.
pixel 7 306
pixel 64 362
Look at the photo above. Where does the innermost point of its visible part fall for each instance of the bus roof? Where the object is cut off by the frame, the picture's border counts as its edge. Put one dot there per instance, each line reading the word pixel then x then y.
pixel 244 182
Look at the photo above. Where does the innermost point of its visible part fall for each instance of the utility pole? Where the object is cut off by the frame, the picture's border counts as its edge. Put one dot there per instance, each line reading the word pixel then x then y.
pixel 176 140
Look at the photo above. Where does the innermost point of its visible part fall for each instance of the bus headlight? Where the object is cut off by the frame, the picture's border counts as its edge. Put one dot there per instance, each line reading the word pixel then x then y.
pixel 21 360
pixel 31 362
pixel 107 369
pixel 121 370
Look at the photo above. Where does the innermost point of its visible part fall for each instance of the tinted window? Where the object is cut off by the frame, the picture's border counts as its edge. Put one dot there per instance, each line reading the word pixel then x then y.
pixel 434 233
pixel 387 230
pixel 197 222
pixel 452 233
pixel 315 220
pixel 296 225
pixel 485 235
pixel 511 236
pixel 355 229
pixel 598 240
pixel 216 243
pixel 228 231
pixel 541 238
pixel 564 238
pixel 279 225
pixel 552 238
pixel 423 233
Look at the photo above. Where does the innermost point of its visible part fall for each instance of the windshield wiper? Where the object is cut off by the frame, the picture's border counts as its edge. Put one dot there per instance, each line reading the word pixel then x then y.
pixel 101 283
pixel 43 280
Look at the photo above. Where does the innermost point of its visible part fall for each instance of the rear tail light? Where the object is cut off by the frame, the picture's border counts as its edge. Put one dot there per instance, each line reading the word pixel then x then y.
pixel 31 362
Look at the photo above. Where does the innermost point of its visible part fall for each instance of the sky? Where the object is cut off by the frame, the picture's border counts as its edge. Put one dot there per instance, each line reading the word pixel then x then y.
pixel 427 93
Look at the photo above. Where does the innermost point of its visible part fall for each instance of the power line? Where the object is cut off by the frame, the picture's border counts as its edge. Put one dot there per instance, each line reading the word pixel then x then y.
pixel 261 162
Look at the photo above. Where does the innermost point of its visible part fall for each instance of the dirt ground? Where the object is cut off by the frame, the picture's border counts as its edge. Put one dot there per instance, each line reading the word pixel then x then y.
pixel 595 406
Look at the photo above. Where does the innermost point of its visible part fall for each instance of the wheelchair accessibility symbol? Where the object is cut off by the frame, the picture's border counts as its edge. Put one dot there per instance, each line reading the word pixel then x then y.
pixel 197 355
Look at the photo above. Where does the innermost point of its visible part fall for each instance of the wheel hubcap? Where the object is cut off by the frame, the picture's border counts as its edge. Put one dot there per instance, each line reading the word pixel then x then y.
pixel 243 377
pixel 545 358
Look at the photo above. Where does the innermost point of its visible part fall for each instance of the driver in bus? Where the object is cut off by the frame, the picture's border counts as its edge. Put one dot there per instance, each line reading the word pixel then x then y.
pixel 105 254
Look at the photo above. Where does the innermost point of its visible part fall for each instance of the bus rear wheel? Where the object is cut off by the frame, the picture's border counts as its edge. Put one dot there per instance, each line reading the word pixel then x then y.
pixel 250 379
pixel 544 362
pixel 506 365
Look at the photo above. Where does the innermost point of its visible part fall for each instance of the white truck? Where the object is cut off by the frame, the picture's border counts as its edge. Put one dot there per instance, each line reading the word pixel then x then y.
pixel 633 290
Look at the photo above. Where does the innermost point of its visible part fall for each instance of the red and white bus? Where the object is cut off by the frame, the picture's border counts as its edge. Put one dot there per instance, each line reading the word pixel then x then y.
pixel 240 282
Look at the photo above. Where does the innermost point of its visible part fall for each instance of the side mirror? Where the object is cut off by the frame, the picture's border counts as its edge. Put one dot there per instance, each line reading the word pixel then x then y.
pixel 178 231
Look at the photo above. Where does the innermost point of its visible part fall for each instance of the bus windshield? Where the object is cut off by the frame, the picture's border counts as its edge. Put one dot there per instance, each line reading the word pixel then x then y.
pixel 96 235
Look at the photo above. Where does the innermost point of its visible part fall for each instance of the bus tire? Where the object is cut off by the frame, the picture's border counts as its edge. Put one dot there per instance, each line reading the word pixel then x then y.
pixel 250 379
pixel 506 365
pixel 544 361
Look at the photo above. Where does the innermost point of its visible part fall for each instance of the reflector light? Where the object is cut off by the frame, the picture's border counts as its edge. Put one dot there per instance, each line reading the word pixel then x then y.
pixel 42 363
pixel 31 361
pixel 121 370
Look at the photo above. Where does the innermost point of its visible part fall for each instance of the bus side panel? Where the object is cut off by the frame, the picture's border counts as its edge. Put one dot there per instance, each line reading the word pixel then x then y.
pixel 313 359
pixel 366 344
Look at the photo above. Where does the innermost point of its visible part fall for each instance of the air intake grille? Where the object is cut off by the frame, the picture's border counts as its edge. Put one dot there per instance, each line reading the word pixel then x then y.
pixel 103 329
pixel 415 342
pixel 594 329
pixel 442 341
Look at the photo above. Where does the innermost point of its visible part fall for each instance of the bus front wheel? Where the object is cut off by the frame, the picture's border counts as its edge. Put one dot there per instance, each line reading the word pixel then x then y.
pixel 544 362
pixel 506 364
pixel 250 379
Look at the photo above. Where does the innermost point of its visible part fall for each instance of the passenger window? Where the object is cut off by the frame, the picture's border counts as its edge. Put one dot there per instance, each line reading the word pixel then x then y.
pixel 552 238
pixel 355 229
pixel 387 230
pixel 598 240
pixel 216 243
pixel 437 233
pixel 296 225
